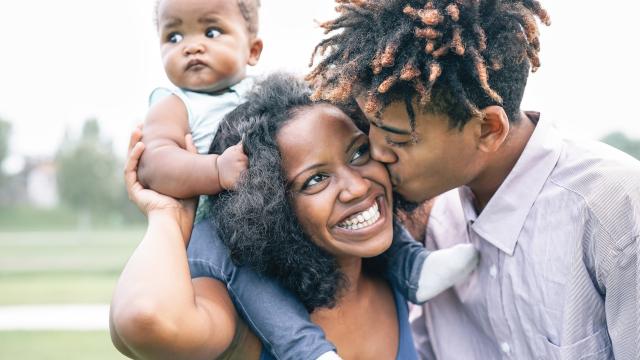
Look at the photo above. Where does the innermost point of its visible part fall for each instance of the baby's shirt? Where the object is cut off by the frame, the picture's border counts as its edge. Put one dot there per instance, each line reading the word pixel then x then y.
pixel 205 111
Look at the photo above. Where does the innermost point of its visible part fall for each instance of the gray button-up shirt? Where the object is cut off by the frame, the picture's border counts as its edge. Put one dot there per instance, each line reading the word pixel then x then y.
pixel 558 275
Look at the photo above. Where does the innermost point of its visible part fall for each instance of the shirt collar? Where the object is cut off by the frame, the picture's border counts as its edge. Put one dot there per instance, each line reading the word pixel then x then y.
pixel 501 221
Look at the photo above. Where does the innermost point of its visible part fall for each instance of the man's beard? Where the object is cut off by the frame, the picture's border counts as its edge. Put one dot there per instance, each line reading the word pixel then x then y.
pixel 402 204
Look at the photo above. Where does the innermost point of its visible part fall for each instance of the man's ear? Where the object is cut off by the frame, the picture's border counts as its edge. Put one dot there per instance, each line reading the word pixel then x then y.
pixel 493 128
pixel 254 51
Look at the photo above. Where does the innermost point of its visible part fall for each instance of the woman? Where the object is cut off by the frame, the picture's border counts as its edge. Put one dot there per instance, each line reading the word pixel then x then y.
pixel 293 217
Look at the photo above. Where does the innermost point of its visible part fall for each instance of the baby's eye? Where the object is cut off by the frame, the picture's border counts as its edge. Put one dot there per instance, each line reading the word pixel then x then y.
pixel 174 37
pixel 212 33
pixel 314 180
pixel 361 155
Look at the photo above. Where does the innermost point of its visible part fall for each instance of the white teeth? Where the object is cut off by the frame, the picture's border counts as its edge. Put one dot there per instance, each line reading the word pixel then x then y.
pixel 363 219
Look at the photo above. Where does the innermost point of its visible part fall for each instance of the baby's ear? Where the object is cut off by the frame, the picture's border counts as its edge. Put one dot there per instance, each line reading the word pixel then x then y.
pixel 254 51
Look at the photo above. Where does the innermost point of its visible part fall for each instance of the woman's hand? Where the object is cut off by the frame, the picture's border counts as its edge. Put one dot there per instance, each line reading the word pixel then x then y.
pixel 149 201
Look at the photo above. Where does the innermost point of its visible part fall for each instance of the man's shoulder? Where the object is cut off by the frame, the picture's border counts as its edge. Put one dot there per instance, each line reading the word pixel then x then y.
pixel 605 179
pixel 592 168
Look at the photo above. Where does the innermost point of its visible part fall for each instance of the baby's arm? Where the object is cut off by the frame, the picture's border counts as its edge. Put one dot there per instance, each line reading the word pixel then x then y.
pixel 420 274
pixel 169 169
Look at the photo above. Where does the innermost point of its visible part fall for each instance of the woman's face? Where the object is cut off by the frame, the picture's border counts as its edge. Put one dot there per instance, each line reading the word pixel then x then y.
pixel 342 197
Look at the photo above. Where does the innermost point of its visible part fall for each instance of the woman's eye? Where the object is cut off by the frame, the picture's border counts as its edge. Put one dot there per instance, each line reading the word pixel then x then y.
pixel 313 180
pixel 396 143
pixel 174 37
pixel 212 33
pixel 361 154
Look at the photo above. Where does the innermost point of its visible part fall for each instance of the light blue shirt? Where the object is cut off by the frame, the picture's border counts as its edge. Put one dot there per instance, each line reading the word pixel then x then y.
pixel 559 274
pixel 205 111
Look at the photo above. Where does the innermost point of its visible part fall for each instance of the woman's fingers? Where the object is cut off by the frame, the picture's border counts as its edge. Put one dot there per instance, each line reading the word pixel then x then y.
pixel 190 146
pixel 131 169
pixel 136 136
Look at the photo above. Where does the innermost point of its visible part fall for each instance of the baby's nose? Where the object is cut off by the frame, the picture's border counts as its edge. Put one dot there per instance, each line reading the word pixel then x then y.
pixel 193 48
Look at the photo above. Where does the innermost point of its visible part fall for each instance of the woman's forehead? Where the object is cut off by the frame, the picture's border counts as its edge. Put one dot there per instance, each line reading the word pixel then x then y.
pixel 315 134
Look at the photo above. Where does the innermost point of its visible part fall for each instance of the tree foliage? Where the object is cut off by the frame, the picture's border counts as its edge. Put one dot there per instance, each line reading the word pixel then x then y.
pixel 88 177
pixel 5 130
pixel 624 143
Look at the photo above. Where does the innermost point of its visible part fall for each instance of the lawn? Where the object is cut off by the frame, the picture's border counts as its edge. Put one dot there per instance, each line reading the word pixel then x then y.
pixel 62 267
pixel 49 345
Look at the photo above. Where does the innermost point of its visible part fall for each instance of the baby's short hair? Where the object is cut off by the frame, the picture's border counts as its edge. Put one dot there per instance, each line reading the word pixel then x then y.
pixel 248 8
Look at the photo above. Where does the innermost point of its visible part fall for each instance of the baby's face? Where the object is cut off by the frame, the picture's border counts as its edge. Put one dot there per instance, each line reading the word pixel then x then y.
pixel 205 44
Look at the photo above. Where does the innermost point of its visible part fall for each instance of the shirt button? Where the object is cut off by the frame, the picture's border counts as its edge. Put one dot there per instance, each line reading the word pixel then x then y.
pixel 505 348
pixel 493 271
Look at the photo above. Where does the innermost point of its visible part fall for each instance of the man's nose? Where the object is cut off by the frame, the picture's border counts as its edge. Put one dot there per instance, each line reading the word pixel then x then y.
pixel 380 150
pixel 193 48
pixel 354 185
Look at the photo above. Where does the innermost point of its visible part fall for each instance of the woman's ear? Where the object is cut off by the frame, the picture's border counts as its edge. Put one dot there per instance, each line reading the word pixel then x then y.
pixel 493 128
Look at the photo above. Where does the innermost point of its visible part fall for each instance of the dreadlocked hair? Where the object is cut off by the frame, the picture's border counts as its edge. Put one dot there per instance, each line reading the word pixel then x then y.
pixel 448 56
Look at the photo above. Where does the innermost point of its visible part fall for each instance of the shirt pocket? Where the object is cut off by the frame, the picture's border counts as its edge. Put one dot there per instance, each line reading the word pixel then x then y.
pixel 596 346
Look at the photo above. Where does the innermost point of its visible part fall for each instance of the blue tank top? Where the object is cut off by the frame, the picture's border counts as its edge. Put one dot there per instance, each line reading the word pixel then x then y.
pixel 406 349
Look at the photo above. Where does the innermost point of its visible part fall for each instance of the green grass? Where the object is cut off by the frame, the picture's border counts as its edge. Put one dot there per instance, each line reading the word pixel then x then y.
pixel 63 267
pixel 50 345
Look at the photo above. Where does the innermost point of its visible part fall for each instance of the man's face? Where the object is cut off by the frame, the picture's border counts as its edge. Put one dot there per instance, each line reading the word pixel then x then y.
pixel 431 160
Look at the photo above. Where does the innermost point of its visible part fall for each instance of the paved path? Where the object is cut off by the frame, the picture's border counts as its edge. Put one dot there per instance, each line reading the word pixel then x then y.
pixel 74 317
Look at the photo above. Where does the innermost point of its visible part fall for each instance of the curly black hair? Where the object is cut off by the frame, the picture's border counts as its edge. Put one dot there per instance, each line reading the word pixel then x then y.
pixel 453 57
pixel 257 221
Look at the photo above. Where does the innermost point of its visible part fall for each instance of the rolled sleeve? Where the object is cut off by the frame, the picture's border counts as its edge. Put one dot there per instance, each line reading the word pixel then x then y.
pixel 622 304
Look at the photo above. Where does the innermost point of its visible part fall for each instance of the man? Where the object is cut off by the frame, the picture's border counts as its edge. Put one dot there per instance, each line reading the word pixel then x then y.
pixel 556 221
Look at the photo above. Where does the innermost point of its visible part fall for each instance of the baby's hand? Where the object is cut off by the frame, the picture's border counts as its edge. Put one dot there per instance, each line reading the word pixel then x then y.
pixel 231 163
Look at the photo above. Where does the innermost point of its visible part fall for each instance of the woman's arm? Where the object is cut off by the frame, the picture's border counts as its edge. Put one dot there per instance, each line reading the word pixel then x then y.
pixel 157 312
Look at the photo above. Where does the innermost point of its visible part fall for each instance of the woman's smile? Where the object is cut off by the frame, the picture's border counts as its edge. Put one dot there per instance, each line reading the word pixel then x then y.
pixel 340 195
pixel 366 223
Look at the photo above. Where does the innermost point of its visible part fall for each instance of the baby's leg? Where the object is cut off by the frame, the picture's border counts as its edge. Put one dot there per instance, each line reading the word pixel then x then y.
pixel 444 268
pixel 274 314
pixel 420 274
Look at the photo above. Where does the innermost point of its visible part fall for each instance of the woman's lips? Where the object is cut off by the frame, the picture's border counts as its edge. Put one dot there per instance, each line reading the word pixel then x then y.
pixel 354 227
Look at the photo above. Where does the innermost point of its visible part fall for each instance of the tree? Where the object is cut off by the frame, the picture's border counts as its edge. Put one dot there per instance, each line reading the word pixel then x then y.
pixel 5 130
pixel 624 143
pixel 88 173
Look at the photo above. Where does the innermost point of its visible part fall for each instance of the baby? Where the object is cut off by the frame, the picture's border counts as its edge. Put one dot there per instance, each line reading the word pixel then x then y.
pixel 206 46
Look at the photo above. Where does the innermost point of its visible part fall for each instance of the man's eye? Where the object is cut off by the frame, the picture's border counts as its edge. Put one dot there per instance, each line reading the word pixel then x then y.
pixel 397 143
pixel 213 33
pixel 362 154
pixel 314 180
pixel 174 37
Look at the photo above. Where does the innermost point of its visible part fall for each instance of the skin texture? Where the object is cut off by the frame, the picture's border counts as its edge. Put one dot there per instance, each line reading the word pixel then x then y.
pixel 205 46
pixel 438 158
pixel 158 312
pixel 330 182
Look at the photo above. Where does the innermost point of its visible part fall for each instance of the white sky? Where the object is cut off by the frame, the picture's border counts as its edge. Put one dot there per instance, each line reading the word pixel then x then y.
pixel 63 61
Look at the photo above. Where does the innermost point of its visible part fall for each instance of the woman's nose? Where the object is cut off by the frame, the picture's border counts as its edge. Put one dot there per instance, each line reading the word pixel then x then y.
pixel 379 148
pixel 354 186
